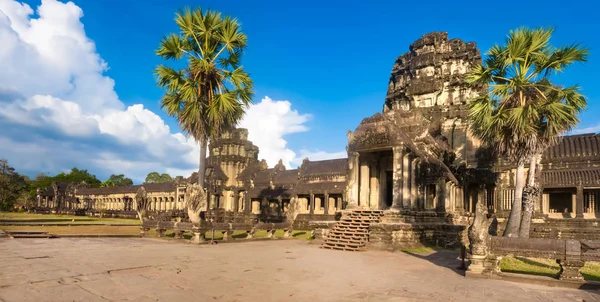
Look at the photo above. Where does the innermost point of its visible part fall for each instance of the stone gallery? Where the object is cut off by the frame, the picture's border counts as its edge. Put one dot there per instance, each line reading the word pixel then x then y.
pixel 413 171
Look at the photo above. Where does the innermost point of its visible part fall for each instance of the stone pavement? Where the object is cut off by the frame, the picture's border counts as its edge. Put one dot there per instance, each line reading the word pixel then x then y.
pixel 279 270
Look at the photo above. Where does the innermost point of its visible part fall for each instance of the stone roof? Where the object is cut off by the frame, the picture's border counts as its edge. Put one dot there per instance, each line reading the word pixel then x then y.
pixel 570 178
pixel 286 177
pixel 324 167
pixel 151 187
pixel 572 148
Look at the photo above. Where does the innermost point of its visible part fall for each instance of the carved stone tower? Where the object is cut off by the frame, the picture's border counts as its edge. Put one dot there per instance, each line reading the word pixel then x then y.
pixel 430 79
pixel 229 155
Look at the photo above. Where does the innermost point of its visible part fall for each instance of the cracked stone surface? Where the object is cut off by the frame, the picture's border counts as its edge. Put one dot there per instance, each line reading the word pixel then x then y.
pixel 127 269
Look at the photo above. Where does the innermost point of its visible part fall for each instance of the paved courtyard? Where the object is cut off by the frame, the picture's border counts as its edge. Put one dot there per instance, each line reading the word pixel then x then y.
pixel 280 270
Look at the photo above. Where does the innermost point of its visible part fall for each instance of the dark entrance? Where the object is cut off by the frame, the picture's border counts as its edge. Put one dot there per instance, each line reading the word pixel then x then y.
pixel 389 189
pixel 561 202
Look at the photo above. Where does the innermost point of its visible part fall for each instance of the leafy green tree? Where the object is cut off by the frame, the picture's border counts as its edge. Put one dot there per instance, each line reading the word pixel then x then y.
pixel 107 183
pixel 120 180
pixel 12 186
pixel 43 181
pixel 77 175
pixel 212 91
pixel 155 177
pixel 524 112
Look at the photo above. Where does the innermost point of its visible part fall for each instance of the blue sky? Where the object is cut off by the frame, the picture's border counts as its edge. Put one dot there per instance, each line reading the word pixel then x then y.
pixel 329 59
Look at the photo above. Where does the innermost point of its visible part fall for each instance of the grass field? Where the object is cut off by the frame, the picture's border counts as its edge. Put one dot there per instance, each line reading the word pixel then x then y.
pixel 545 267
pixel 60 219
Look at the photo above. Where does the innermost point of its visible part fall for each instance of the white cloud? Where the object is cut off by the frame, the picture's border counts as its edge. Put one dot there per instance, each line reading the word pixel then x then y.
pixel 267 122
pixel 58 110
pixel 592 129
pixel 318 155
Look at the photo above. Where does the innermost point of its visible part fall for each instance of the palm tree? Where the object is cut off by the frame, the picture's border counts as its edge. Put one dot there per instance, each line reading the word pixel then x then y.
pixel 524 112
pixel 212 91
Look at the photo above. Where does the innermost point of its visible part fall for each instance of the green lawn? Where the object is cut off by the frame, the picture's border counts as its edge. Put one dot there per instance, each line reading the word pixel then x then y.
pixel 80 230
pixel 60 219
pixel 545 267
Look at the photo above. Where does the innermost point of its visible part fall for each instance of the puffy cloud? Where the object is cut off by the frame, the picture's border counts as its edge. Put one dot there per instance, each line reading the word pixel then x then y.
pixel 591 129
pixel 267 122
pixel 318 155
pixel 58 110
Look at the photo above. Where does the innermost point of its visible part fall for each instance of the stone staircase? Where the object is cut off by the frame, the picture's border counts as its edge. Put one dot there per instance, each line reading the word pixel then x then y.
pixel 351 233
pixel 15 234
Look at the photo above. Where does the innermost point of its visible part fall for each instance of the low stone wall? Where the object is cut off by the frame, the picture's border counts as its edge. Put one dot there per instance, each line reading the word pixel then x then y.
pixel 320 229
pixel 568 228
pixel 303 221
pixel 393 236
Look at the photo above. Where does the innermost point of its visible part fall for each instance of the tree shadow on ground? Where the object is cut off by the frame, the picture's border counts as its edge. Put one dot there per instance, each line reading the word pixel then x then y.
pixel 449 259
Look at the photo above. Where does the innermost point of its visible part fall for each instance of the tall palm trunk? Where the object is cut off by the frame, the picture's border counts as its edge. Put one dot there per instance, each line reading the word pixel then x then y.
pixel 514 220
pixel 530 194
pixel 202 167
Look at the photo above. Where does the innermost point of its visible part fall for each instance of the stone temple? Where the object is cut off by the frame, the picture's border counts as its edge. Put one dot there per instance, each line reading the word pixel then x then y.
pixel 414 164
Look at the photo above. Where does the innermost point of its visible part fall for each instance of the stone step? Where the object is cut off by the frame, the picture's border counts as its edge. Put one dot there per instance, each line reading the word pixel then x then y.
pixel 343 248
pixel 346 245
pixel 345 240
pixel 344 237
pixel 32 236
pixel 26 232
pixel 350 232
pixel 350 228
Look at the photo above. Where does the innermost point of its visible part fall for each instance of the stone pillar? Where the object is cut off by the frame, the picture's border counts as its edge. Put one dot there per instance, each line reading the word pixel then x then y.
pixel 397 176
pixel 311 203
pixel 441 195
pixel 338 205
pixel 579 203
pixel 326 208
pixel 248 203
pixel 365 176
pixel 413 184
pixel 406 181
pixel 373 184
pixel 236 196
pixel 352 189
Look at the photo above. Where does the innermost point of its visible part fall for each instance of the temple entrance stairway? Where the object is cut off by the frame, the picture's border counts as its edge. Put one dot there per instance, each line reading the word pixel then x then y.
pixel 351 233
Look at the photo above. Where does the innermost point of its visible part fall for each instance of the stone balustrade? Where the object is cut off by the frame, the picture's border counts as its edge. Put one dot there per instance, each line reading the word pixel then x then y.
pixel 570 254
pixel 226 229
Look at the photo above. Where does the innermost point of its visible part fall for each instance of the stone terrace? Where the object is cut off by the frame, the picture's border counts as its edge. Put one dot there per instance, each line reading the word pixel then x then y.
pixel 283 270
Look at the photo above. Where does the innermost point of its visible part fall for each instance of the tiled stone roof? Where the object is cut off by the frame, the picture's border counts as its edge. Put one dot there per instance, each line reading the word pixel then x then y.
pixel 570 178
pixel 574 148
pixel 324 167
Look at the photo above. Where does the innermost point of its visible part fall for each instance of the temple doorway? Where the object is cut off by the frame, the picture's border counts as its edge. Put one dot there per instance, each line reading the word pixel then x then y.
pixel 561 202
pixel 389 189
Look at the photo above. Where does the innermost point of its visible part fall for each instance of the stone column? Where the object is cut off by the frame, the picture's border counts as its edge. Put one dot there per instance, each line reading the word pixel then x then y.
pixel 365 183
pixel 406 181
pixel 338 205
pixel 352 189
pixel 248 203
pixel 441 195
pixel 311 202
pixel 373 184
pixel 579 202
pixel 397 174
pixel 326 208
pixel 236 196
pixel 413 184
